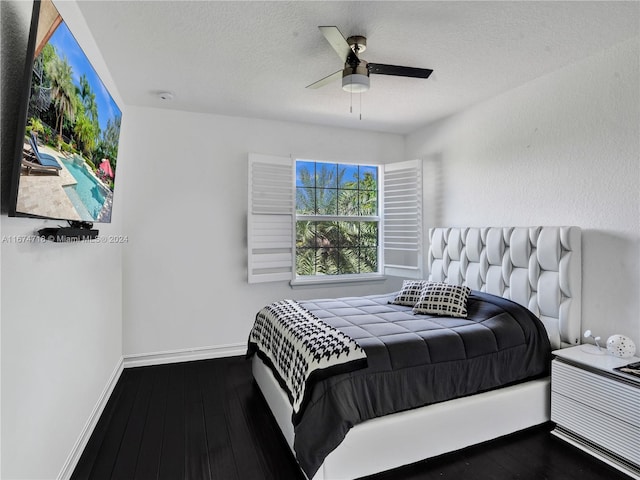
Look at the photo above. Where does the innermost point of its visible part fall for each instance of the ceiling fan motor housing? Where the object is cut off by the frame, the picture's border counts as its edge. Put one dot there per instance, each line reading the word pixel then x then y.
pixel 358 43
pixel 360 69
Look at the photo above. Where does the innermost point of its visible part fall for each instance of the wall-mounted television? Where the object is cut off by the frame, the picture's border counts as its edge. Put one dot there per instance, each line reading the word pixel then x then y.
pixel 68 132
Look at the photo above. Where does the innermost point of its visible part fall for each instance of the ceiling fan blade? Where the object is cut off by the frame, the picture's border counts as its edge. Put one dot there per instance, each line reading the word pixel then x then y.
pixel 337 41
pixel 328 79
pixel 383 69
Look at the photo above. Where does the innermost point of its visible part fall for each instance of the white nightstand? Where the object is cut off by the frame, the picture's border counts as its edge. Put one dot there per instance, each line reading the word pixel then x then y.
pixel 597 408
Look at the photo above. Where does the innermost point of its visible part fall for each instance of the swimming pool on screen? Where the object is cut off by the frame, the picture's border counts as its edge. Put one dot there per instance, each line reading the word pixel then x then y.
pixel 88 195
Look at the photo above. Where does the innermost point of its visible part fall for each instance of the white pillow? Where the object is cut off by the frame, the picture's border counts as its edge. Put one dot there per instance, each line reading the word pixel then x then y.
pixel 443 299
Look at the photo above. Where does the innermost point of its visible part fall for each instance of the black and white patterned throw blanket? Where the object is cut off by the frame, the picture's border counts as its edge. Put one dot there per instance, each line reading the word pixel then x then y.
pixel 301 349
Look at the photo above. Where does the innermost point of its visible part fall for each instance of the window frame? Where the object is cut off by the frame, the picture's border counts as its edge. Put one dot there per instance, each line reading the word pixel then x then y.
pixel 340 277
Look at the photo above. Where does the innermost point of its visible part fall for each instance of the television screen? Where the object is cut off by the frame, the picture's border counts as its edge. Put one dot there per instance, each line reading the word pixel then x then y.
pixel 67 158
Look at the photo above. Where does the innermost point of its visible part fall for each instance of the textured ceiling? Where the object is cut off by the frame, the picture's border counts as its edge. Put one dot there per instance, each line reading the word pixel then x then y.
pixel 254 59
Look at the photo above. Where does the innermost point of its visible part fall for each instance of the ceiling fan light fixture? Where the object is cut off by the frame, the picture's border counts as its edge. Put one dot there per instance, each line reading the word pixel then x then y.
pixel 355 79
pixel 355 83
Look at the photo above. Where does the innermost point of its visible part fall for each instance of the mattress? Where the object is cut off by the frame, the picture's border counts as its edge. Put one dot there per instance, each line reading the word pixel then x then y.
pixel 413 361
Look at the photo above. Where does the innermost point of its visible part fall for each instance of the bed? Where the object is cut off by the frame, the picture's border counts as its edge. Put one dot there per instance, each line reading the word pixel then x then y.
pixel 502 269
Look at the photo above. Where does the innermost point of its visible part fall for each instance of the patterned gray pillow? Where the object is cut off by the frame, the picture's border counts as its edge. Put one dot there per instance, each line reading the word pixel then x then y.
pixel 443 299
pixel 410 293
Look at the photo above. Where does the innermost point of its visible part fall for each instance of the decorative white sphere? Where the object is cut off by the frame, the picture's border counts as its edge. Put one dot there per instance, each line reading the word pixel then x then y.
pixel 621 346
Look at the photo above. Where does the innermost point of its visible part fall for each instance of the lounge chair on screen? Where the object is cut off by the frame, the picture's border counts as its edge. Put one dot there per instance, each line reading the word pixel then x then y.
pixel 32 166
pixel 43 159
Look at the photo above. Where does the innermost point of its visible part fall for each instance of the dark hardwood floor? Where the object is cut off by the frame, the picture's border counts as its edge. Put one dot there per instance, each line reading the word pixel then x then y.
pixel 207 420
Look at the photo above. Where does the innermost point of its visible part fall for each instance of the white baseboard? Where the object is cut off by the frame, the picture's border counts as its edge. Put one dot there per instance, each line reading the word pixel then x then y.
pixel 83 439
pixel 140 360
pixel 184 355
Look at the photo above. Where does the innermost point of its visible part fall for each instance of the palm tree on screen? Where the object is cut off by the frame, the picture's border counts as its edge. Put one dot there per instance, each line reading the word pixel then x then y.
pixel 62 90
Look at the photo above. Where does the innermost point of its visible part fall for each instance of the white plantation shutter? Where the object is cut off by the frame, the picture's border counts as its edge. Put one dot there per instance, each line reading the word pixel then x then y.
pixel 402 224
pixel 270 218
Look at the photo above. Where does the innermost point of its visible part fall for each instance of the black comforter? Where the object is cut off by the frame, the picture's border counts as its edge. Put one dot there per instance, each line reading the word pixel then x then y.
pixel 415 360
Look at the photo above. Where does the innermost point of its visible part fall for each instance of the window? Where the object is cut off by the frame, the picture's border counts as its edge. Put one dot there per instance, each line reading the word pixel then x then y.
pixel 312 220
pixel 337 230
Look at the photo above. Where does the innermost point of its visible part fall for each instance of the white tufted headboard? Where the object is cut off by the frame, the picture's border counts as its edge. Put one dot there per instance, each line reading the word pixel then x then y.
pixel 537 267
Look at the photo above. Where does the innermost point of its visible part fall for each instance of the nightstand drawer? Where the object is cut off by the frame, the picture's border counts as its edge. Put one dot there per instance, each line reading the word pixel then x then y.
pixel 596 426
pixel 617 399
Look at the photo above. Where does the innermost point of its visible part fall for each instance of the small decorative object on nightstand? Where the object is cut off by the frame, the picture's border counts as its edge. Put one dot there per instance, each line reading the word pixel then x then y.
pixel 621 346
pixel 592 349
pixel 594 403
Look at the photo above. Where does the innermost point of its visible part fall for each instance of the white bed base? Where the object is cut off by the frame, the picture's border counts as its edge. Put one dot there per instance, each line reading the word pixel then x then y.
pixel 538 267
pixel 402 438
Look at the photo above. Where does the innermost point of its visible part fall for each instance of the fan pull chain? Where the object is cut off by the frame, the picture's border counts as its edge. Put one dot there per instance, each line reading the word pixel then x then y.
pixel 351 104
pixel 350 101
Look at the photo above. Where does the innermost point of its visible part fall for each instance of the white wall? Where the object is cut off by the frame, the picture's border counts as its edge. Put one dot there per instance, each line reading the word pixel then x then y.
pixel 561 150
pixel 184 266
pixel 61 310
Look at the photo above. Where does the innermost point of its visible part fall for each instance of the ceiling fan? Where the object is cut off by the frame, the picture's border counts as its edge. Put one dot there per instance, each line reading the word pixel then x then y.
pixel 356 71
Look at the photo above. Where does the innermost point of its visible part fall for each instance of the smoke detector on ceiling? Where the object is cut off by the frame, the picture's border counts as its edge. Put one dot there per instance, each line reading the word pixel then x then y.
pixel 165 95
